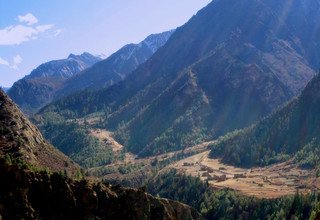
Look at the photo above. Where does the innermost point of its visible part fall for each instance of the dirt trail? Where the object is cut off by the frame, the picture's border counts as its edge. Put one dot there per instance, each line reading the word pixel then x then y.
pixel 268 182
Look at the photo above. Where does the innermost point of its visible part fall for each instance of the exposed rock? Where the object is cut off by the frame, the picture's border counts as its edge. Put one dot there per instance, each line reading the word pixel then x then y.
pixel 20 139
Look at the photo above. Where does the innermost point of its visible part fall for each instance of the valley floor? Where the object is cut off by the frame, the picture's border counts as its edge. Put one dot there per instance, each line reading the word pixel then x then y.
pixel 267 182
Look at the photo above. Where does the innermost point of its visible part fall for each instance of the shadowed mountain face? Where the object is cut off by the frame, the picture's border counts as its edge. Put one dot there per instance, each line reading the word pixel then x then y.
pixel 37 195
pixel 21 140
pixel 117 66
pixel 231 64
pixel 292 130
pixel 27 194
pixel 37 89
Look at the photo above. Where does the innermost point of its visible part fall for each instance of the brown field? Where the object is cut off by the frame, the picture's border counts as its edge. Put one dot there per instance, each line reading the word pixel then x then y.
pixel 268 182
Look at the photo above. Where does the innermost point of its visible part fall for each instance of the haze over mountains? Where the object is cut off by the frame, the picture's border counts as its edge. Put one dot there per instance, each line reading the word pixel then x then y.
pixel 116 67
pixel 5 89
pixel 59 78
pixel 38 89
pixel 211 77
pixel 293 131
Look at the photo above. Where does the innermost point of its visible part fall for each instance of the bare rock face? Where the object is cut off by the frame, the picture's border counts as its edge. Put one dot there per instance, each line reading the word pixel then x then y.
pixel 30 195
pixel 20 139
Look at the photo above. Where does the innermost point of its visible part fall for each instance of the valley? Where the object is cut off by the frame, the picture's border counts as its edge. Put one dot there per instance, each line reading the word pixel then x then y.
pixel 274 181
pixel 218 118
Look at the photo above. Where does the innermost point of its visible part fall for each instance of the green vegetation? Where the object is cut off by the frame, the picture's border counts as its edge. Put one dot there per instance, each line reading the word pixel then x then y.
pixel 309 156
pixel 227 204
pixel 292 129
pixel 125 169
pixel 73 140
pixel 9 160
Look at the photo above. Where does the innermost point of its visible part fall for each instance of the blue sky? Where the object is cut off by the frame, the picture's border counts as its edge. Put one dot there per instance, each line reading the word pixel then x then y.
pixel 35 31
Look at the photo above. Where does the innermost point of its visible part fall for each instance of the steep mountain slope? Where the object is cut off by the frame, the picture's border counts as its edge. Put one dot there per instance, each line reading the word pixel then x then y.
pixel 292 130
pixel 37 89
pixel 30 194
pixel 76 142
pixel 19 139
pixel 116 67
pixel 5 89
pixel 231 64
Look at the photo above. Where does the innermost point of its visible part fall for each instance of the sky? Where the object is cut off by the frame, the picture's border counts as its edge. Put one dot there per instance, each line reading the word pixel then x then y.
pixel 36 31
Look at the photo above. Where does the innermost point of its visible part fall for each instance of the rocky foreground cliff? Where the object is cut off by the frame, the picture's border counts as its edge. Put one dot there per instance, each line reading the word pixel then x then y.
pixel 20 139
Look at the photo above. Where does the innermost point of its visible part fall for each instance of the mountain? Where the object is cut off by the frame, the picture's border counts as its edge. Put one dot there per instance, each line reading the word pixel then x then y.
pixel 38 89
pixel 5 89
pixel 228 66
pixel 290 132
pixel 116 67
pixel 21 140
pixel 30 190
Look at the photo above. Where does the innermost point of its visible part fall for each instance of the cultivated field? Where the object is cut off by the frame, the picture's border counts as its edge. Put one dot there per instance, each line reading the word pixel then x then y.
pixel 268 182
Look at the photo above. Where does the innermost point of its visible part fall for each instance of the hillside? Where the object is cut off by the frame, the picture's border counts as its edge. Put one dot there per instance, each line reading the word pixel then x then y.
pixel 116 67
pixel 30 190
pixel 292 131
pixel 38 195
pixel 210 78
pixel 38 88
pixel 5 89
pixel 21 140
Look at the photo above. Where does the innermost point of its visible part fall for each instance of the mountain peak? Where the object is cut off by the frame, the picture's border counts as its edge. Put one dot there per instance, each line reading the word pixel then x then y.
pixel 86 55
pixel 37 89
pixel 155 41
pixel 72 56
pixel 228 66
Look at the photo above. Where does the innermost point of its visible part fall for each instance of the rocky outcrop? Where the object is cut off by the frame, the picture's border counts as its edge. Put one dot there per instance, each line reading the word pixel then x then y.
pixel 20 139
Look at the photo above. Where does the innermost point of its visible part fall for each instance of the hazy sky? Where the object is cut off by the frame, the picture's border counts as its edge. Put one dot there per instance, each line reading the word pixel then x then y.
pixel 35 31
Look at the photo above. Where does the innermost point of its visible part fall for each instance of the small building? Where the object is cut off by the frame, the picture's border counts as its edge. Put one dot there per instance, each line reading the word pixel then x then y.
pixel 238 176
pixel 188 164
pixel 206 174
pixel 222 178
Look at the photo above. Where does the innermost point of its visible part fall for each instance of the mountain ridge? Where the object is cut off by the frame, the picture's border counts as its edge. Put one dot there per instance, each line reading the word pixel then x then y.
pixel 117 66
pixel 209 78
pixel 37 89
